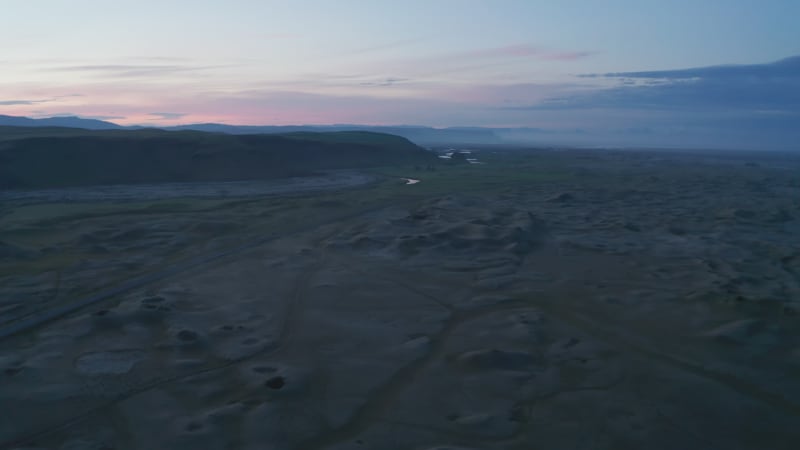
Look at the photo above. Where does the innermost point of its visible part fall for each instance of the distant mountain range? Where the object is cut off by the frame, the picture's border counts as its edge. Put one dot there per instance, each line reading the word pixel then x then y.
pixel 630 137
pixel 420 135
pixel 66 121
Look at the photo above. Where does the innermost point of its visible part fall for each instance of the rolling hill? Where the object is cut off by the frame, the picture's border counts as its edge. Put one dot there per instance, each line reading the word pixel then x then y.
pixel 61 157
pixel 420 135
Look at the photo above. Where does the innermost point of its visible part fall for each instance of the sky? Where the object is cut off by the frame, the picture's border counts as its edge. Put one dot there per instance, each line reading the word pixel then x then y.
pixel 715 73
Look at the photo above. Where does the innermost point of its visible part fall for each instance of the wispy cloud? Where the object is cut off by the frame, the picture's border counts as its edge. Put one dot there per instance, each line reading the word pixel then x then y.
pixel 752 105
pixel 48 114
pixel 748 88
pixel 787 67
pixel 167 115
pixel 135 70
pixel 102 117
pixel 479 65
pixel 115 67
pixel 21 102
pixel 384 82
pixel 390 45
pixel 37 101
pixel 567 56
pixel 524 51
pixel 162 59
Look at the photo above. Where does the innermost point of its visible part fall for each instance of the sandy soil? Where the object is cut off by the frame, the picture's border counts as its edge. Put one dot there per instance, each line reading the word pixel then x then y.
pixel 649 301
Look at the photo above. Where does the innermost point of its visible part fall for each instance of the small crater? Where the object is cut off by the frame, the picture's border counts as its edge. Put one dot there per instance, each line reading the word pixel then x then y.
pixel 113 362
pixel 193 426
pixel 497 360
pixel 12 371
pixel 275 383
pixel 676 230
pixel 187 336
pixel 563 197
pixel 632 227
pixel 517 414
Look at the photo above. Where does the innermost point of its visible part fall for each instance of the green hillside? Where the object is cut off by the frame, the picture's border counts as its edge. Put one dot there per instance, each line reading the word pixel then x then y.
pixel 60 157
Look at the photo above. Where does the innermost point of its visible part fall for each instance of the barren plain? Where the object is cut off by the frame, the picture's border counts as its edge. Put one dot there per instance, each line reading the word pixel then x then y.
pixel 553 299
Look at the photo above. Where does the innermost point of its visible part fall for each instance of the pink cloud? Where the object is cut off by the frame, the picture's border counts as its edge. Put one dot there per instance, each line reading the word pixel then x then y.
pixel 437 105
pixel 566 56
pixel 434 101
pixel 518 50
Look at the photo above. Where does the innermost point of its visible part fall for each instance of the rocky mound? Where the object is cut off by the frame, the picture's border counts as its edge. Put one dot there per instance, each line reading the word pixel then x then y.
pixel 10 251
pixel 456 226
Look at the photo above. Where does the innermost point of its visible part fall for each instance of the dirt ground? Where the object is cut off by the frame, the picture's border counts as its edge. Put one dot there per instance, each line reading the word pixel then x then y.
pixel 557 299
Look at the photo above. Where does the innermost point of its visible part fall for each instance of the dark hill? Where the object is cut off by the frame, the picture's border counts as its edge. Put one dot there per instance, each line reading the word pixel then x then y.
pixel 417 134
pixel 62 157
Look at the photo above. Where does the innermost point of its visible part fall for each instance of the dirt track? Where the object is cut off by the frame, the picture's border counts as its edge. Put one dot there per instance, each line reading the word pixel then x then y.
pixel 232 189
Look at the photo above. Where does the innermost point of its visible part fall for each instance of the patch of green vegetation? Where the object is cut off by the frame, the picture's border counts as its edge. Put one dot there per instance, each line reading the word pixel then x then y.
pixel 450 179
